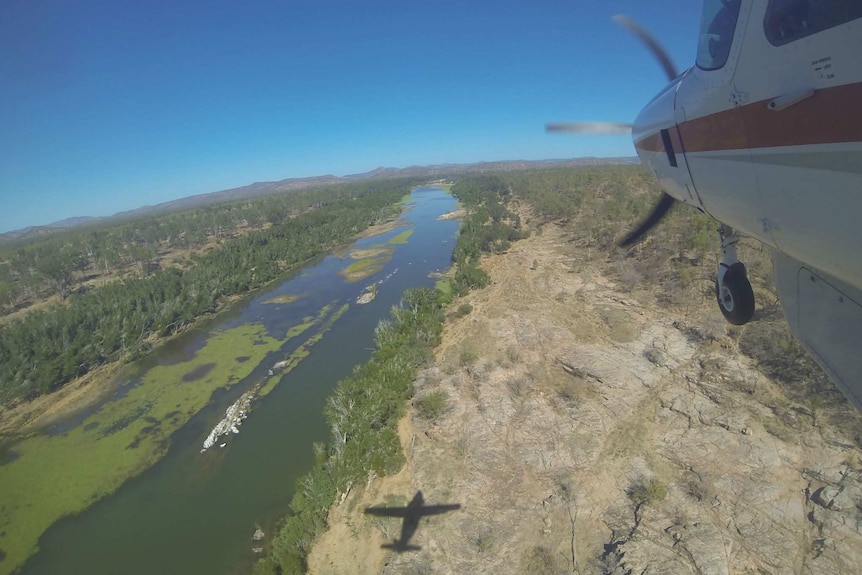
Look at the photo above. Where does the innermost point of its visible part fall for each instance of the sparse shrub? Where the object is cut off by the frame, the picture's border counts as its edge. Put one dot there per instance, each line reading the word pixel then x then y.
pixel 714 326
pixel 468 356
pixel 647 491
pixel 485 544
pixel 698 488
pixel 474 389
pixel 783 358
pixel 542 561
pixel 484 540
pixel 478 372
pixel 535 372
pixel 680 516
pixel 419 567
pixel 655 356
pixel 517 386
pixel 630 276
pixel 433 405
pixel 513 353
pixel 610 563
pixel 569 389
pixel 463 309
pixel 672 293
pixel 462 447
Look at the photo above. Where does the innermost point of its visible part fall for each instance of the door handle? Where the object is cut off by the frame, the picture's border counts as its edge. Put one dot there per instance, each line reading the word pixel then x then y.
pixel 787 100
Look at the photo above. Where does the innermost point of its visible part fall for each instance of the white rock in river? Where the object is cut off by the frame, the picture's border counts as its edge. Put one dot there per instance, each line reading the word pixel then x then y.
pixel 232 419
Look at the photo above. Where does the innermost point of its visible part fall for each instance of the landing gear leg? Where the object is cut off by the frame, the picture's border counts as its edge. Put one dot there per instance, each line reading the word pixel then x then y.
pixel 732 288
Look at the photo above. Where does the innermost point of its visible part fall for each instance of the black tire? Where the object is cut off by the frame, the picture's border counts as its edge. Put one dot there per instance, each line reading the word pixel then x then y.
pixel 736 300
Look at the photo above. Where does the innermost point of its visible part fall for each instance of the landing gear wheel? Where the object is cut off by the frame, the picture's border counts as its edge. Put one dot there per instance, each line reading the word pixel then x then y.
pixel 735 296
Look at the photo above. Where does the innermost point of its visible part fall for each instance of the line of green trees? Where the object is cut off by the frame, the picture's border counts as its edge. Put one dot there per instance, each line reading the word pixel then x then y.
pixel 59 263
pixel 364 410
pixel 488 227
pixel 49 348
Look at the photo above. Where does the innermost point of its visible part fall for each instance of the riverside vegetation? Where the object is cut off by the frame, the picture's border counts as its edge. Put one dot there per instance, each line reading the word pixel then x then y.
pixel 366 407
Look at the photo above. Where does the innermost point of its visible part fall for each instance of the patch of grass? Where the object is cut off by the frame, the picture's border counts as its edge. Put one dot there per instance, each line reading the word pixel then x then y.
pixel 395 500
pixel 363 268
pixel 777 428
pixel 307 322
pixel 358 265
pixel 288 298
pixel 622 328
pixel 93 463
pixel 444 286
pixel 402 237
pixel 372 252
pixel 630 437
pixel 432 406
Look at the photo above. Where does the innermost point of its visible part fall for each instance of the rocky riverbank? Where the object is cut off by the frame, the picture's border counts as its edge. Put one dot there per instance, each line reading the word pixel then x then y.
pixel 586 430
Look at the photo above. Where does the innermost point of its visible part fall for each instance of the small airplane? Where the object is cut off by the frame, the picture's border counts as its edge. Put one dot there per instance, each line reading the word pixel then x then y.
pixel 412 514
pixel 764 134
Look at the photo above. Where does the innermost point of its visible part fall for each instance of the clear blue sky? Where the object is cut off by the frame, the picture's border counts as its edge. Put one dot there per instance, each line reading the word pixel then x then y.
pixel 107 106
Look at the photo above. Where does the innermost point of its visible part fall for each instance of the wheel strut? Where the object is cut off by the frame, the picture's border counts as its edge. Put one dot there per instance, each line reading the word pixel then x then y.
pixel 732 288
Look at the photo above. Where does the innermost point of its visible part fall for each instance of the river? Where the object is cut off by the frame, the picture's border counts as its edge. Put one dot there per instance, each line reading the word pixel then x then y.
pixel 194 512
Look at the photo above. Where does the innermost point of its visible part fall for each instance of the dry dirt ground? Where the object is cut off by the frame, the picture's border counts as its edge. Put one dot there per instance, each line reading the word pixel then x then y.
pixel 588 432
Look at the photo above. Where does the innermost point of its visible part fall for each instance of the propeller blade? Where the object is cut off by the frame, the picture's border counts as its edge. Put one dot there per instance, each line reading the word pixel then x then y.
pixel 658 212
pixel 590 128
pixel 657 50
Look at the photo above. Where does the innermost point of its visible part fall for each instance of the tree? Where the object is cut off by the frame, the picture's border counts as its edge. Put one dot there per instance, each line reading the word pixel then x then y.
pixel 57 266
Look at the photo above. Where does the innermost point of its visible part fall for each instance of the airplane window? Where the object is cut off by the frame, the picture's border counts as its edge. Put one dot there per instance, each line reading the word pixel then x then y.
pixel 717 26
pixel 789 20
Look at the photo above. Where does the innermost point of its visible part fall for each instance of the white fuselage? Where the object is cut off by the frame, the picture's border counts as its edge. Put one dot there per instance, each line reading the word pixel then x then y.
pixel 770 142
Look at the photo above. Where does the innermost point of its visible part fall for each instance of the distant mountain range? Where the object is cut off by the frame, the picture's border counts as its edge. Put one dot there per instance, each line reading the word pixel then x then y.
pixel 291 184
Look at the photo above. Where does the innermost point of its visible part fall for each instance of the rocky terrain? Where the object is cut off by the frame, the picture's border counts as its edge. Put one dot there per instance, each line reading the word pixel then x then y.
pixel 583 428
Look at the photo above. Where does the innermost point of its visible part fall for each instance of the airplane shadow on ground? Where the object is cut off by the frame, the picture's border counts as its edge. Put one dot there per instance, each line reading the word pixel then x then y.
pixel 412 514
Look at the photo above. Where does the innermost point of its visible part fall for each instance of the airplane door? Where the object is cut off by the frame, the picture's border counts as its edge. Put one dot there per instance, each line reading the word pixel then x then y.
pixel 710 122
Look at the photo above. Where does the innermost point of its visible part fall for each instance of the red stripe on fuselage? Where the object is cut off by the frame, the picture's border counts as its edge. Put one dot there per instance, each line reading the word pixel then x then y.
pixel 654 143
pixel 829 116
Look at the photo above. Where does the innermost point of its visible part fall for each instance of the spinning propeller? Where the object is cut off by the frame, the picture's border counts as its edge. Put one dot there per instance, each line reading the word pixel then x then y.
pixel 666 202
